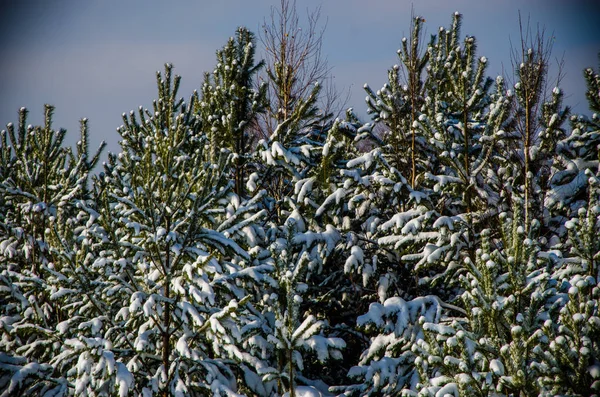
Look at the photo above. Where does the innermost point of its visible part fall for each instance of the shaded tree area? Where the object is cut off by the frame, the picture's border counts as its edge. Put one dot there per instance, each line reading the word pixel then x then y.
pixel 246 241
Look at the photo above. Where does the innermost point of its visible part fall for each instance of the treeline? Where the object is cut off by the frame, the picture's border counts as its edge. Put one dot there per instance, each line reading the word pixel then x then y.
pixel 246 241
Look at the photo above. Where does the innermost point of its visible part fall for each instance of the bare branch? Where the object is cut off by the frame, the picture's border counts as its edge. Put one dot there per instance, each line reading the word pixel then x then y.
pixel 294 64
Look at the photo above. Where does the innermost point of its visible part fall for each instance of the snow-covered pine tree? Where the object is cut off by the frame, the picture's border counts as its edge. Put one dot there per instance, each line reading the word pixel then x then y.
pixel 529 326
pixel 463 122
pixel 319 201
pixel 305 211
pixel 290 160
pixel 162 314
pixel 583 147
pixel 573 353
pixel 304 244
pixel 295 333
pixel 379 183
pixel 230 104
pixel 534 319
pixel 507 294
pixel 367 197
pixel 398 105
pixel 41 178
pixel 372 187
pixel 533 315
pixel 44 187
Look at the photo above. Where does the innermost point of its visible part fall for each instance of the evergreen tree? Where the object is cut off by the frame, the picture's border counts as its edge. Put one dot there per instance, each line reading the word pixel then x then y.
pixel 399 104
pixel 168 273
pixel 492 341
pixel 463 121
pixel 292 328
pixel 230 105
pixel 576 153
pixel 44 190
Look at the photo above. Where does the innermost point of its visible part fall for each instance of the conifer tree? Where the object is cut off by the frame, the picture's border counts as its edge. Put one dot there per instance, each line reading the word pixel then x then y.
pixel 398 105
pixel 573 337
pixel 40 178
pixel 495 347
pixel 165 294
pixel 294 331
pixel 463 120
pixel 573 350
pixel 44 186
pixel 230 104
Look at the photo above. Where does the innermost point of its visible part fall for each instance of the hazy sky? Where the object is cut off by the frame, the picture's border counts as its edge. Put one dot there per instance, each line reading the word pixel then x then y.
pixel 97 59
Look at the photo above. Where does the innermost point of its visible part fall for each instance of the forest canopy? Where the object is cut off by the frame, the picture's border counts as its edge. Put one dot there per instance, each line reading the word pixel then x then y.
pixel 255 238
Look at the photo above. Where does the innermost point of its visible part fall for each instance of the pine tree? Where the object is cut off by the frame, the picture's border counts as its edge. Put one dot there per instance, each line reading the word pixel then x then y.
pixel 573 351
pixel 44 190
pixel 463 123
pixel 293 330
pixel 169 273
pixel 576 153
pixel 230 105
pixel 464 120
pixel 492 342
pixel 399 104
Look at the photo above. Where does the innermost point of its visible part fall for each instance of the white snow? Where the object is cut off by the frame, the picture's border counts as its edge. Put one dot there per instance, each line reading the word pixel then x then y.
pixel 124 379
pixel 497 367
pixel 304 391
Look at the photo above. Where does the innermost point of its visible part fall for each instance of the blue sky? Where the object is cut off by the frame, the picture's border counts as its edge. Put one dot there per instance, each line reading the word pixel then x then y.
pixel 97 59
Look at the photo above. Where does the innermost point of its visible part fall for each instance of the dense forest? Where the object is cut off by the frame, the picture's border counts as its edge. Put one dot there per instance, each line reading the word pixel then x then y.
pixel 250 241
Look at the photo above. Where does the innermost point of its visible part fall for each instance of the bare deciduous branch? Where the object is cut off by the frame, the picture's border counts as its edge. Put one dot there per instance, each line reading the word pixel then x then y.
pixel 294 64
